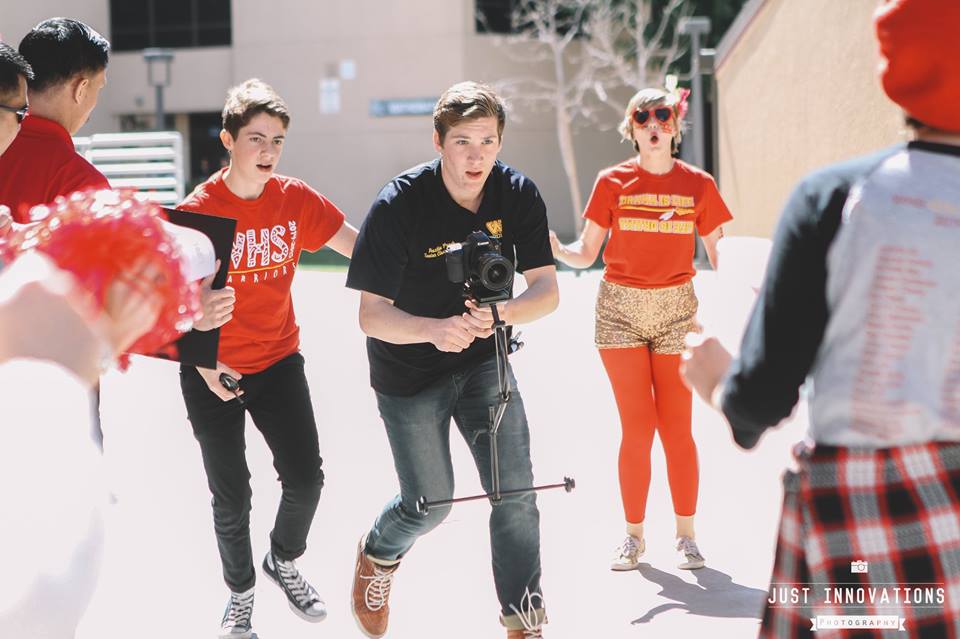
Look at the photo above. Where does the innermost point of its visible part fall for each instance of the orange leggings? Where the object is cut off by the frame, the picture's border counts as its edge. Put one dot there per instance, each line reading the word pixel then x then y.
pixel 651 396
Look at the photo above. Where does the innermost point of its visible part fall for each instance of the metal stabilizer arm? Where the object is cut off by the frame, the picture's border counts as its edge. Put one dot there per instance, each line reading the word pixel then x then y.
pixel 496 416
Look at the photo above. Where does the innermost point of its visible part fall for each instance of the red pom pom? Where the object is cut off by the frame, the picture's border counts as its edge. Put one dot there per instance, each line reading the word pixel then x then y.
pixel 100 236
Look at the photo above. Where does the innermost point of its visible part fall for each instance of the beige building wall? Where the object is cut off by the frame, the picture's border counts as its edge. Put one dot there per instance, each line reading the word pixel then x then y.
pixel 17 18
pixel 797 89
pixel 409 49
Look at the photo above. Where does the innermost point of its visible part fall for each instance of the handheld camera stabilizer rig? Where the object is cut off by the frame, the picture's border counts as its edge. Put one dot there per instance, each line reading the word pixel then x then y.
pixel 487 276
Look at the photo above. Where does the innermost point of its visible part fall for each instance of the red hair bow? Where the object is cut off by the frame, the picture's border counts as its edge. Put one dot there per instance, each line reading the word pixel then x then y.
pixel 681 106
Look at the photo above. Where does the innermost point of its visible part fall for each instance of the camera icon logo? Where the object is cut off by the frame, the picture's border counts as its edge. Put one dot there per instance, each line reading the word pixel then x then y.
pixel 859 566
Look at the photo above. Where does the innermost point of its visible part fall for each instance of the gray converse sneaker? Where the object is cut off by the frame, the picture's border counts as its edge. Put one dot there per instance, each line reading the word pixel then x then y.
pixel 236 623
pixel 690 557
pixel 301 596
pixel 628 554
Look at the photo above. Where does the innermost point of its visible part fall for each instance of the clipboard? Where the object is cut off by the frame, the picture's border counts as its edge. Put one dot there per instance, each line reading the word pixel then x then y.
pixel 199 348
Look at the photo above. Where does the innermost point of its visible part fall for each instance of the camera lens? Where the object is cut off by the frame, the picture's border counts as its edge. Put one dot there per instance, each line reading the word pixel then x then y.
pixel 496 272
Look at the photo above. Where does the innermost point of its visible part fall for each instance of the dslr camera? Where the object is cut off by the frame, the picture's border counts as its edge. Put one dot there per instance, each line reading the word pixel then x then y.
pixel 485 273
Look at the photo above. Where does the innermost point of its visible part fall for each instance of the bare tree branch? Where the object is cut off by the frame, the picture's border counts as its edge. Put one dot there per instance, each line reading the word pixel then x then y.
pixel 599 51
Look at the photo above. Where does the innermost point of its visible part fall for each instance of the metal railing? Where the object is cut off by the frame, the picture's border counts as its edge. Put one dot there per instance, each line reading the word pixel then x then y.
pixel 151 162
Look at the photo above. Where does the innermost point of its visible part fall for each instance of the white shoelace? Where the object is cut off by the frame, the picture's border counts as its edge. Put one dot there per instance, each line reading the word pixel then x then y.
pixel 532 624
pixel 239 611
pixel 689 548
pixel 377 593
pixel 298 586
pixel 630 547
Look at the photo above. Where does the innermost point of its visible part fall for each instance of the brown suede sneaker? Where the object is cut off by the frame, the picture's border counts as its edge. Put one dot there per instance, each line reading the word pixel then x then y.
pixel 536 633
pixel 371 594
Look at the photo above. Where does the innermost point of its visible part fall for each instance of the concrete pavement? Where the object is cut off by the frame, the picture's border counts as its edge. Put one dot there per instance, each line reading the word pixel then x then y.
pixel 161 577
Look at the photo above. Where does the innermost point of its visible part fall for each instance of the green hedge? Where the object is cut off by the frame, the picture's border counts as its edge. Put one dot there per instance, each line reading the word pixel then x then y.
pixel 325 259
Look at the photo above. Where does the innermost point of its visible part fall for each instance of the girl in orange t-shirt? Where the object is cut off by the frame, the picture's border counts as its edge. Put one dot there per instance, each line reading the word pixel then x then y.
pixel 649 206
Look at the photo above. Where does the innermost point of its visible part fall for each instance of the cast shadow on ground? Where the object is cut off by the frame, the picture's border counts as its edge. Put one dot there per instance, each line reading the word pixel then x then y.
pixel 714 595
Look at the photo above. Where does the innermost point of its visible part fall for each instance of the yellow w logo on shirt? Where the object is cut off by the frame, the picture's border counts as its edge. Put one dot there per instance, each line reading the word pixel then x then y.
pixel 496 228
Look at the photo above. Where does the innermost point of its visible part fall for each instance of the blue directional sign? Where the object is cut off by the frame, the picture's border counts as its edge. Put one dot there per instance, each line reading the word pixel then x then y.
pixel 401 107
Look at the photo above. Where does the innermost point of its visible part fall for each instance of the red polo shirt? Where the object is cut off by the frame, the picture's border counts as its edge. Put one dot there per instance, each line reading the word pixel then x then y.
pixel 42 164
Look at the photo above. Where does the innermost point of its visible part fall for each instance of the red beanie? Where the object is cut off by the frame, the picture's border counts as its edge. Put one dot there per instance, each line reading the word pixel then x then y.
pixel 920 59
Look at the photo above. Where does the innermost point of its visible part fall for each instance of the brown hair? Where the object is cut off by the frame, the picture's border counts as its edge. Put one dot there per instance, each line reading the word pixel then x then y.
pixel 467 101
pixel 913 123
pixel 645 100
pixel 249 98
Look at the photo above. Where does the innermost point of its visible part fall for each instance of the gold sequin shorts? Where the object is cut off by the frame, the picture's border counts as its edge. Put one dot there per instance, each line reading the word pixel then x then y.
pixel 658 318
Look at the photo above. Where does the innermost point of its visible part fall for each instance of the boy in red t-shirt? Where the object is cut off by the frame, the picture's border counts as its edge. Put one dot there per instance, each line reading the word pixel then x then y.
pixel 649 207
pixel 277 217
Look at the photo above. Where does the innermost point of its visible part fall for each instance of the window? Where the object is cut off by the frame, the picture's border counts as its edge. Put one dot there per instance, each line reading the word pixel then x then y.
pixel 138 24
pixel 495 16
pixel 207 154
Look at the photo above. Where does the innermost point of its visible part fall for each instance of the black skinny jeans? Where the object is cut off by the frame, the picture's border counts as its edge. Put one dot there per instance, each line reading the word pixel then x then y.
pixel 278 400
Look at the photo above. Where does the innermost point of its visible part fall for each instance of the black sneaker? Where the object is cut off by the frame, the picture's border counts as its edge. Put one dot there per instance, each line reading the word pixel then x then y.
pixel 301 596
pixel 236 623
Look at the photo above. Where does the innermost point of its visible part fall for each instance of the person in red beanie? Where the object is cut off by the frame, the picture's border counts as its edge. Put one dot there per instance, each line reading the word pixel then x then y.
pixel 860 300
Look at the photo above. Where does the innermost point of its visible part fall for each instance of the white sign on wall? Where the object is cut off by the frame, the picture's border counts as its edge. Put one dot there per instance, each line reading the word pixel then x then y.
pixel 329 96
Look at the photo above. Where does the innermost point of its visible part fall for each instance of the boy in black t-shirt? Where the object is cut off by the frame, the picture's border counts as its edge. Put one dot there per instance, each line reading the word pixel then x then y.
pixel 432 355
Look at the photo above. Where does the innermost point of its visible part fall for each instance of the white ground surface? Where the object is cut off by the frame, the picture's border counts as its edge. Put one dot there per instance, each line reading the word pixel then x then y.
pixel 161 577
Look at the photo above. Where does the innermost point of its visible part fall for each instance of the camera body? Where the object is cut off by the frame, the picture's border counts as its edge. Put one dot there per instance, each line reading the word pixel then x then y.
pixel 485 273
pixel 859 566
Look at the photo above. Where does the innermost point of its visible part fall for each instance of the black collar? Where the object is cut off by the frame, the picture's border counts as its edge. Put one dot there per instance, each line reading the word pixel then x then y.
pixel 934 147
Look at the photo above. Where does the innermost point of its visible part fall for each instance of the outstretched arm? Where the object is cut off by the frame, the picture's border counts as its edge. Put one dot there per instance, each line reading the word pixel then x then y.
pixel 710 245
pixel 583 252
pixel 343 240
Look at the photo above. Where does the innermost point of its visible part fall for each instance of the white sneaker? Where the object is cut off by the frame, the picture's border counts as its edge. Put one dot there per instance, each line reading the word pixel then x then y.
pixel 628 554
pixel 236 623
pixel 690 557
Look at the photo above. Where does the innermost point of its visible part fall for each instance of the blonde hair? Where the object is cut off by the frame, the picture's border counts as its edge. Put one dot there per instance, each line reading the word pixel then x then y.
pixel 644 100
pixel 467 101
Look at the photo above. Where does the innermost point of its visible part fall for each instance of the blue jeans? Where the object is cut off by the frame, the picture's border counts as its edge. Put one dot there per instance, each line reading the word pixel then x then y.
pixel 419 431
